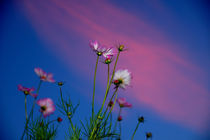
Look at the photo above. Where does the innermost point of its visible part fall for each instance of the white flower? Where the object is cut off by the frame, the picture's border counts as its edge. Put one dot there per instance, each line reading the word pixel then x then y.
pixel 122 78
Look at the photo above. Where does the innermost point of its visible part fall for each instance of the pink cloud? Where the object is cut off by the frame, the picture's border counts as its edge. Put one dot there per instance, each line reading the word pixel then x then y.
pixel 163 79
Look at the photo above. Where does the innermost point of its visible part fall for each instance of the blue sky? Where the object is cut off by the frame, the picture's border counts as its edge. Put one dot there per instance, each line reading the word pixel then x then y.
pixel 22 48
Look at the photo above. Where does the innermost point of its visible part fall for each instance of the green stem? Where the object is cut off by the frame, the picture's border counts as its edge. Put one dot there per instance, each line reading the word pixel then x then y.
pixel 115 94
pixel 93 131
pixel 94 85
pixel 115 126
pixel 62 99
pixel 66 110
pixel 135 130
pixel 109 84
pixel 31 112
pixel 120 129
pixel 26 108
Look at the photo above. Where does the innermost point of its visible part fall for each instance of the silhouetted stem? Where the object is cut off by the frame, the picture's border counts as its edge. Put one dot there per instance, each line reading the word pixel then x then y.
pixel 109 84
pixel 26 108
pixel 94 85
pixel 31 112
pixel 135 130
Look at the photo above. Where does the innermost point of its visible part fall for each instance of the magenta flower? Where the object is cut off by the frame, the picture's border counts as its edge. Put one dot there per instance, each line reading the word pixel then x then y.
pixel 109 53
pixel 44 76
pixel 27 91
pixel 122 102
pixel 46 106
pixel 97 48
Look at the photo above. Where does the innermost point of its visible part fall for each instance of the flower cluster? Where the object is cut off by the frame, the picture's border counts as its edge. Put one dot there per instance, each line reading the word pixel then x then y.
pixel 100 125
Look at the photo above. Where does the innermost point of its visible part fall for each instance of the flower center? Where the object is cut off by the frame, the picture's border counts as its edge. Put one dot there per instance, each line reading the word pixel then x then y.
pixel 107 61
pixel 43 77
pixel 118 82
pixel 26 92
pixel 43 108
pixel 99 53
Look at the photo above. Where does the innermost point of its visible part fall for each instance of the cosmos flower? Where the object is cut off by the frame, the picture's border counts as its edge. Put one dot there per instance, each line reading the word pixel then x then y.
pixel 46 106
pixel 44 76
pixel 97 48
pixel 109 53
pixel 27 91
pixel 122 102
pixel 122 78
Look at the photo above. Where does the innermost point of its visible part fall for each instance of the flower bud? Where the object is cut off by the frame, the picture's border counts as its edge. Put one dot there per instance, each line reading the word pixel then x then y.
pixel 119 118
pixel 60 83
pixel 148 134
pixel 59 119
pixel 99 117
pixel 69 114
pixel 121 48
pixel 108 61
pixel 141 119
pixel 110 103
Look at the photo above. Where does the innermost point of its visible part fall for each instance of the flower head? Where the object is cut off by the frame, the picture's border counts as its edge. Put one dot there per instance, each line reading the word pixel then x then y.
pixel 111 103
pixel 121 48
pixel 119 118
pixel 141 119
pixel 148 134
pixel 44 76
pixel 59 119
pixel 27 91
pixel 97 48
pixel 109 53
pixel 122 102
pixel 46 106
pixel 122 78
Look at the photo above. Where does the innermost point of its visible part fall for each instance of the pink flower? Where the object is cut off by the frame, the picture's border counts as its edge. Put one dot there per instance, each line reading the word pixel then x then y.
pixel 27 91
pixel 122 102
pixel 46 106
pixel 97 48
pixel 44 76
pixel 109 53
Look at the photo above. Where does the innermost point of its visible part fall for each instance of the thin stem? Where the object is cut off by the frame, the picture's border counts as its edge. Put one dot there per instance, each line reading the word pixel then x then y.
pixel 26 108
pixel 120 128
pixel 110 100
pixel 66 110
pixel 115 93
pixel 109 84
pixel 62 99
pixel 94 85
pixel 115 126
pixel 31 112
pixel 135 130
pixel 104 114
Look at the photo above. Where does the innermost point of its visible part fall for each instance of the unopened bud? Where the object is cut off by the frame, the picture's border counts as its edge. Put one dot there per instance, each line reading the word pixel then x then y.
pixel 59 119
pixel 141 119
pixel 121 48
pixel 119 118
pixel 108 61
pixel 148 134
pixel 110 103
pixel 60 83
pixel 69 114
